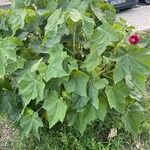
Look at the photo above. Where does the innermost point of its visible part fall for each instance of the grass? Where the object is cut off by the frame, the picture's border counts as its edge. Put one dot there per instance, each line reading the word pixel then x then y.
pixel 69 140
pixel 66 138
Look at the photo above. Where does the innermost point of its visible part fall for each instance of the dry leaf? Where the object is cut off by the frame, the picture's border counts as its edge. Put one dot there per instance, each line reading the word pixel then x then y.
pixel 112 133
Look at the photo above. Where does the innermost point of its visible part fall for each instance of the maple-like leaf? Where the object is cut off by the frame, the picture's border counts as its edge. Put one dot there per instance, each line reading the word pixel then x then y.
pixel 31 123
pixel 7 51
pixel 55 107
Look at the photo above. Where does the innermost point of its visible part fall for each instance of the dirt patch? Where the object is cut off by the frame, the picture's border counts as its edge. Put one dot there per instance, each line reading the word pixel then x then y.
pixel 8 134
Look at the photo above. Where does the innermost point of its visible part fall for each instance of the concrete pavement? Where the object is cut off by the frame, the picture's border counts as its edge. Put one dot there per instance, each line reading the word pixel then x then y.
pixel 138 17
pixel 5 4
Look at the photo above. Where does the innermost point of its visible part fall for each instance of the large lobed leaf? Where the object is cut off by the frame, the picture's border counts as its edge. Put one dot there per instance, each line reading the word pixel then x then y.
pixel 30 87
pixel 54 68
pixel 77 83
pixel 55 107
pixel 116 96
pixel 31 123
pixel 131 62
pixel 7 51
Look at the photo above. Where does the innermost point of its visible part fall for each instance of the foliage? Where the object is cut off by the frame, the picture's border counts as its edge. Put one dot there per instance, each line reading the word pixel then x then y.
pixel 69 61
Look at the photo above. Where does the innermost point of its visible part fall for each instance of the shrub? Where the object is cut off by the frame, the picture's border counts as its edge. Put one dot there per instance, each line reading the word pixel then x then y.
pixel 69 60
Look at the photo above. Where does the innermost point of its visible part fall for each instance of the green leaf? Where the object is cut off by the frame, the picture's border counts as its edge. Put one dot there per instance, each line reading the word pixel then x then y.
pixel 55 107
pixel 88 26
pixel 35 65
pixel 84 5
pixel 74 4
pixel 52 25
pixel 88 115
pixel 31 87
pixel 116 96
pixel 31 123
pixel 52 41
pixel 133 119
pixel 140 82
pixel 77 83
pixel 94 87
pixel 63 30
pixel 102 109
pixel 79 5
pixel 75 15
pixel 21 3
pixel 9 104
pixel 98 13
pixel 3 20
pixel 129 63
pixel 80 120
pixel 13 66
pixel 7 51
pixel 103 36
pixel 17 19
pixel 51 7
pixel 41 4
pixel 70 64
pixel 55 67
pixel 92 61
pixel 107 16
pixel 79 101
pixel 31 16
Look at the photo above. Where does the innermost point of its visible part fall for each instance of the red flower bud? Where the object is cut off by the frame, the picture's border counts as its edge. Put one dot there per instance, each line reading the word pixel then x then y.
pixel 134 39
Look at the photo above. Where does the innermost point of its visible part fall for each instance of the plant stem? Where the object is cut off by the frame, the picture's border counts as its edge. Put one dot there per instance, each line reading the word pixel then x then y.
pixel 69 51
pixel 99 73
pixel 108 72
pixel 107 77
pixel 74 38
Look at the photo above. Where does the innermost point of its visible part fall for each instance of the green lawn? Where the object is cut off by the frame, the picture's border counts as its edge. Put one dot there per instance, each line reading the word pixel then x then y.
pixel 66 138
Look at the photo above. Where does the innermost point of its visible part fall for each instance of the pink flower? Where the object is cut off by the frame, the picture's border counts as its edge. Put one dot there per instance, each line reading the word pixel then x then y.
pixel 134 39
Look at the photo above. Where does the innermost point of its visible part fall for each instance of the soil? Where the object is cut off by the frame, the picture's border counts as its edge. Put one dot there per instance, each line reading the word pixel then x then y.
pixel 8 133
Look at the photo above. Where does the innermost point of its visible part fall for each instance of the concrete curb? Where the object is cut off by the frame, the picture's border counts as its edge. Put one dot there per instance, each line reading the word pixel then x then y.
pixel 5 5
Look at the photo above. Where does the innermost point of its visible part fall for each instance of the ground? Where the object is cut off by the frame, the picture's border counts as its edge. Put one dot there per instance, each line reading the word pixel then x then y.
pixel 8 133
